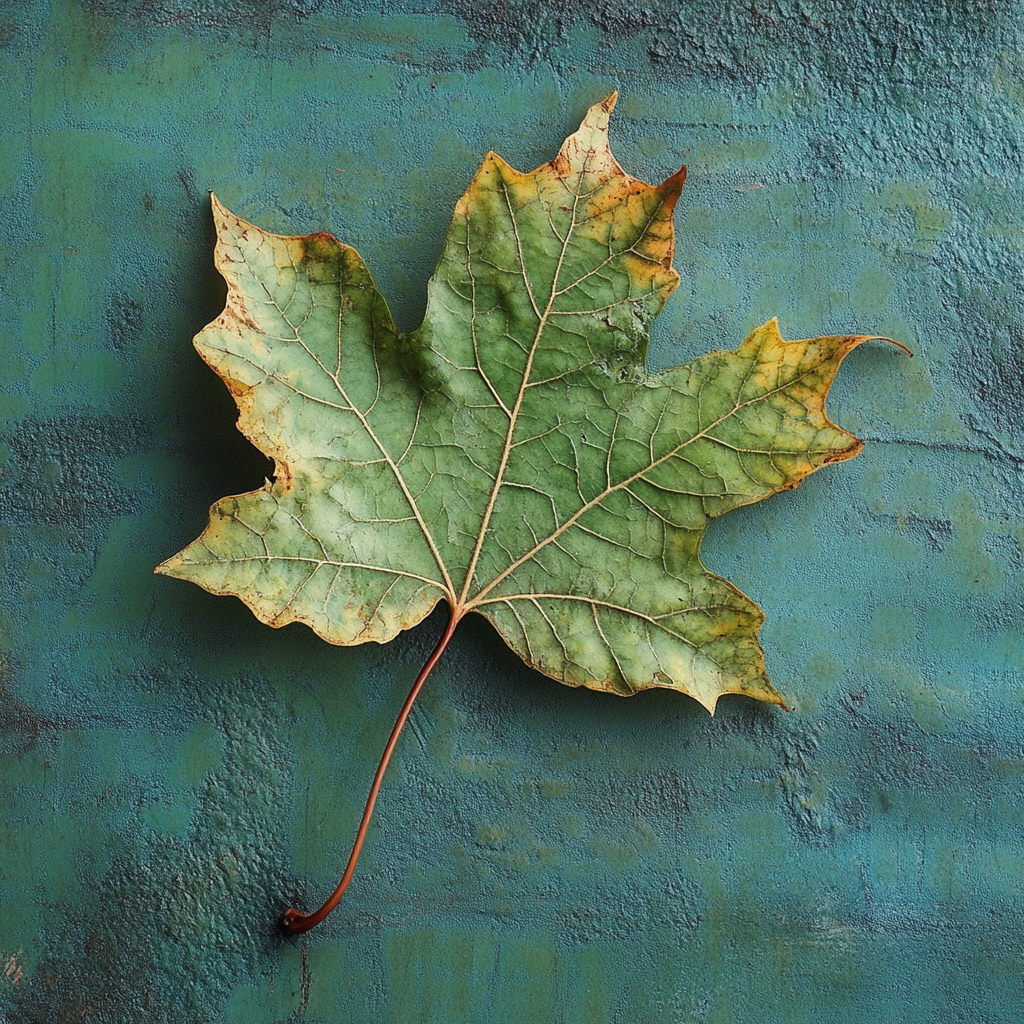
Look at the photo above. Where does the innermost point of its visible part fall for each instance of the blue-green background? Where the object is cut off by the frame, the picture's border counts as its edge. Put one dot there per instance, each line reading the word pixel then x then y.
pixel 174 773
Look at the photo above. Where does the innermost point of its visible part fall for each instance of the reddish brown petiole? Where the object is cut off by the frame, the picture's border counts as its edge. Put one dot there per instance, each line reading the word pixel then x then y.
pixel 297 922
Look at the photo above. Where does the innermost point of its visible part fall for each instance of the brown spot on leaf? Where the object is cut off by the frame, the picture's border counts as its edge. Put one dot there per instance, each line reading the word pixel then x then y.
pixel 237 387
pixel 320 247
pixel 282 475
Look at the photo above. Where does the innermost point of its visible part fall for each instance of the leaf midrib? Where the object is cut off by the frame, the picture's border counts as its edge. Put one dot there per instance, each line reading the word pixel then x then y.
pixel 464 604
pixel 524 384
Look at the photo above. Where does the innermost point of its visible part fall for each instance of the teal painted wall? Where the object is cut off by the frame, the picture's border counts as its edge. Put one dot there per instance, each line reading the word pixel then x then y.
pixel 172 773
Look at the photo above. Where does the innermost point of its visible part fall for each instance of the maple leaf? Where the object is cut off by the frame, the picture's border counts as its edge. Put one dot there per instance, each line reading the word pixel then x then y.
pixel 513 456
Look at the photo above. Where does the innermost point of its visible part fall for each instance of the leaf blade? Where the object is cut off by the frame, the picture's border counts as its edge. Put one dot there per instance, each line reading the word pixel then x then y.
pixel 512 456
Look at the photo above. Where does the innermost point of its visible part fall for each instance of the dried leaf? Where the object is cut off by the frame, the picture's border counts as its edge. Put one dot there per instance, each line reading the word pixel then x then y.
pixel 513 456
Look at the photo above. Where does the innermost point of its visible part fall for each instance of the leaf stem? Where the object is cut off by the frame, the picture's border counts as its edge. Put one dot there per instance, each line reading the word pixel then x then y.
pixel 295 921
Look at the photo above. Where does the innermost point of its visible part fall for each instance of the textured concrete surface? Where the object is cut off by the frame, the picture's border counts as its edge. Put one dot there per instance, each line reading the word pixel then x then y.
pixel 173 773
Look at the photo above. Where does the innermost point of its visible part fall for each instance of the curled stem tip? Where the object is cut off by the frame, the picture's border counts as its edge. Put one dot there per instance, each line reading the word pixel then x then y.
pixel 294 920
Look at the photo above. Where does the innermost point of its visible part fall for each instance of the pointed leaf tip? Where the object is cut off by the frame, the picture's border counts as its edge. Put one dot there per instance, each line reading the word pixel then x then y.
pixel 671 188
pixel 587 150
pixel 606 106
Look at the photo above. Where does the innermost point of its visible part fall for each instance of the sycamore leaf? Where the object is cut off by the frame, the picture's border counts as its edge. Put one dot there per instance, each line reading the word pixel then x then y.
pixel 513 456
